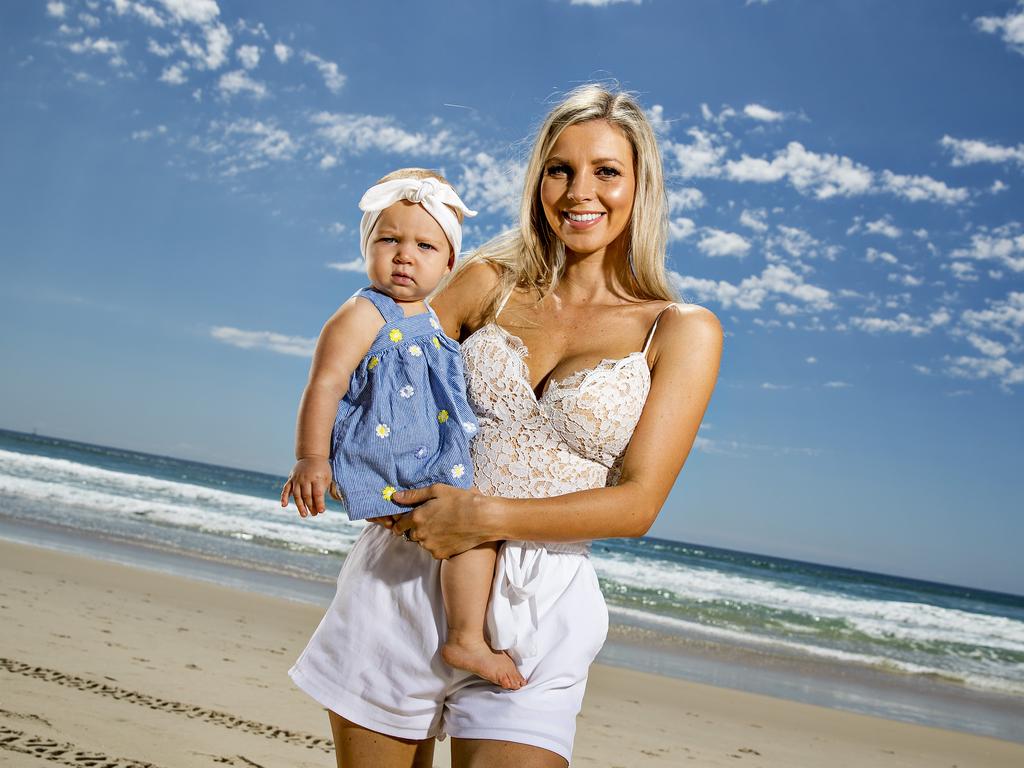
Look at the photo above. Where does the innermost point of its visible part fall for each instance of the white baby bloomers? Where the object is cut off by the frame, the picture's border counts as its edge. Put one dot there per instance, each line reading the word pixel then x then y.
pixel 374 659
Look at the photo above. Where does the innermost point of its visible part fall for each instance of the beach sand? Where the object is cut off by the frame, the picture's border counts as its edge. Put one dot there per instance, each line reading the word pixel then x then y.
pixel 141 668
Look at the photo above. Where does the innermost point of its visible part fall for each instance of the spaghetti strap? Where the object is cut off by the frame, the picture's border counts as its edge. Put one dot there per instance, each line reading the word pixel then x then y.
pixel 654 327
pixel 504 301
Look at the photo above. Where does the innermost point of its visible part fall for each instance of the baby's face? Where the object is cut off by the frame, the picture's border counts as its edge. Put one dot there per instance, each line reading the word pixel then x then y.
pixel 408 252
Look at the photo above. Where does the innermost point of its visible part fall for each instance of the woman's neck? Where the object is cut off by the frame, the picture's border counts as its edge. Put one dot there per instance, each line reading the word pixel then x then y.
pixel 591 278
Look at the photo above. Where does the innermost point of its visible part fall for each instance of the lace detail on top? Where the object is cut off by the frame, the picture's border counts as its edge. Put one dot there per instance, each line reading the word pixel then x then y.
pixel 572 438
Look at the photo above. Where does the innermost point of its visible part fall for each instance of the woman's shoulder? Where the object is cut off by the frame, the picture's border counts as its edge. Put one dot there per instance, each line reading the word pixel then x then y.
pixel 682 325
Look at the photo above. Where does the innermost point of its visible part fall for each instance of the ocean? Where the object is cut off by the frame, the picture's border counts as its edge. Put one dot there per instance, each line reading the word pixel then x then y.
pixel 902 648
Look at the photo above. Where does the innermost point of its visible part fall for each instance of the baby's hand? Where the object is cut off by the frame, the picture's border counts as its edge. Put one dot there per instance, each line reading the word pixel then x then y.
pixel 309 480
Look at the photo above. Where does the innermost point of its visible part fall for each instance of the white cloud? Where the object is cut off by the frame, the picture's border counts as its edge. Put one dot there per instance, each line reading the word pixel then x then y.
pixel 215 54
pixel 884 227
pixel 283 52
pixel 355 265
pixel 194 11
pixel 163 51
pixel 141 10
pixel 771 386
pixel 336 228
pixel 656 117
pixel 752 291
pixel 89 20
pixel 359 133
pixel 1004 245
pixel 680 228
pixel 902 323
pixel 794 241
pixel 1011 26
pixel 238 81
pixel 873 255
pixel 824 176
pixel 971 151
pixel 685 199
pixel 763 114
pixel 810 360
pixel 248 55
pixel 492 185
pixel 837 384
pixel 998 186
pixel 174 74
pixel 102 46
pixel 328 161
pixel 701 158
pixel 716 242
pixel 274 342
pixel 1002 316
pixel 754 219
pixel 986 346
pixel 333 79
pixel 918 188
pixel 56 10
pixel 905 279
pixel 963 271
pixel 966 367
pixel 264 139
pixel 726 113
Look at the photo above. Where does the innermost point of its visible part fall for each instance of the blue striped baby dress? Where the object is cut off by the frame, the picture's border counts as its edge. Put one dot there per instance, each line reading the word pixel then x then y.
pixel 404 422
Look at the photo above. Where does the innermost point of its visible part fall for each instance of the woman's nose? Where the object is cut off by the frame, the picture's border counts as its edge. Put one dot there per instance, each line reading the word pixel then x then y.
pixel 578 190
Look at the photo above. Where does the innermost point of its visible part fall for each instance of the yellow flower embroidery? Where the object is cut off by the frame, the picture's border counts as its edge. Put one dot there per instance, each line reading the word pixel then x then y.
pixel 395 335
pixel 383 430
pixel 373 363
pixel 442 416
pixel 437 342
pixel 388 492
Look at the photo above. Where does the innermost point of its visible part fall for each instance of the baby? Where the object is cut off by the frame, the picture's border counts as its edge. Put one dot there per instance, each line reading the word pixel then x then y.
pixel 403 420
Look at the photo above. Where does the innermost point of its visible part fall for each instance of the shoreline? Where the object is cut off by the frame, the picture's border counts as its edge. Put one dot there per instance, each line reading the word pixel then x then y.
pixel 630 646
pixel 142 666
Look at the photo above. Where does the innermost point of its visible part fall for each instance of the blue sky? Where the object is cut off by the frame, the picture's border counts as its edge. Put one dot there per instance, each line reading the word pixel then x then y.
pixel 178 217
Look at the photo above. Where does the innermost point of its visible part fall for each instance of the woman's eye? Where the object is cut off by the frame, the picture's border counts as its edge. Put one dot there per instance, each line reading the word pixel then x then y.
pixel 605 170
pixel 557 170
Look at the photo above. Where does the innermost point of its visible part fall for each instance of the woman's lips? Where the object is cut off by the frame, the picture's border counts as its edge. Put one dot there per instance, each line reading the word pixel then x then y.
pixel 591 218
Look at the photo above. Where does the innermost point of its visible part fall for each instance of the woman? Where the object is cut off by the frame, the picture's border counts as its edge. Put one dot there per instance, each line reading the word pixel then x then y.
pixel 589 384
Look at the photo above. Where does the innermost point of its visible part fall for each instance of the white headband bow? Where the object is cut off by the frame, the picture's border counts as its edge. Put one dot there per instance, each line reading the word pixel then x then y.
pixel 432 194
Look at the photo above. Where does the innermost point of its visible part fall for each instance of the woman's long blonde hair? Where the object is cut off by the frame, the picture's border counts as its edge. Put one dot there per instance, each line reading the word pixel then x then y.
pixel 533 258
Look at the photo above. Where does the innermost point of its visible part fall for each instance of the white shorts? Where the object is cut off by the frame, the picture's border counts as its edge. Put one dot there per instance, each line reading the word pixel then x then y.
pixel 374 659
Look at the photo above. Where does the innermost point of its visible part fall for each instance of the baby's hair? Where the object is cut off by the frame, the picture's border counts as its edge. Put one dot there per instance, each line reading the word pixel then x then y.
pixel 420 173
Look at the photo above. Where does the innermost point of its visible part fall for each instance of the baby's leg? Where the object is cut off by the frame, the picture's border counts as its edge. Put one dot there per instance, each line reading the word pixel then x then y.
pixel 466 586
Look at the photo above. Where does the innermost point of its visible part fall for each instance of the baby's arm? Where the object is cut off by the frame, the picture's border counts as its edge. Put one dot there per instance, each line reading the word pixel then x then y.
pixel 344 341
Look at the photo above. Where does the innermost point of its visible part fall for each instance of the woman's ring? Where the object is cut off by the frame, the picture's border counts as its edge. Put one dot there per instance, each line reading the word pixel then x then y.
pixel 407 534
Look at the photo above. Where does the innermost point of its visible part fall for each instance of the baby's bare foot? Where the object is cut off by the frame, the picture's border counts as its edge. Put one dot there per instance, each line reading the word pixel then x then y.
pixel 478 657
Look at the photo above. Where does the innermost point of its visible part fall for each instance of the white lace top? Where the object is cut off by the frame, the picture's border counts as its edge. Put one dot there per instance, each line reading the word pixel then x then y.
pixel 572 438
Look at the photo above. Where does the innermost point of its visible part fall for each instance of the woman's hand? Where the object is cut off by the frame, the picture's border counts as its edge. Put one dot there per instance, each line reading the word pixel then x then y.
pixel 309 480
pixel 445 521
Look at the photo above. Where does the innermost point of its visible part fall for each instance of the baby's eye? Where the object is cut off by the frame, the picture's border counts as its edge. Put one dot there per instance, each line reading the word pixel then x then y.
pixel 608 171
pixel 558 170
pixel 427 247
pixel 387 239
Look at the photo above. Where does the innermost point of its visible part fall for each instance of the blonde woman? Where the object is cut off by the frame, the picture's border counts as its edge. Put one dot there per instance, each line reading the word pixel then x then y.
pixel 589 382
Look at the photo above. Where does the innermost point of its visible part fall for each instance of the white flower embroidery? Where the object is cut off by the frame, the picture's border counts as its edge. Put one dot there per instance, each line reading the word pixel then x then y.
pixel 436 324
pixel 383 430
pixel 458 471
pixel 414 350
pixel 469 426
pixel 407 391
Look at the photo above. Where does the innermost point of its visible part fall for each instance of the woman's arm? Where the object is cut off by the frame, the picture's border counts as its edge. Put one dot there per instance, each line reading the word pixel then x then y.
pixel 343 343
pixel 687 349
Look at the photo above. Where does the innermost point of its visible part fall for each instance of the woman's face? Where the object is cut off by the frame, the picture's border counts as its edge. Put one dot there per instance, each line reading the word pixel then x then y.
pixel 588 186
